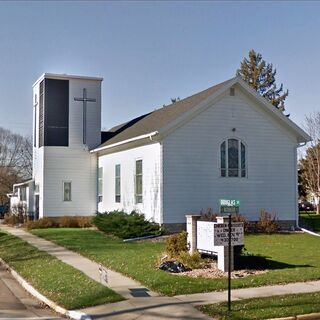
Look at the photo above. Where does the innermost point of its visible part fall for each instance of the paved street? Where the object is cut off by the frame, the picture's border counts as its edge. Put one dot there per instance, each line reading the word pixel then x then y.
pixel 16 303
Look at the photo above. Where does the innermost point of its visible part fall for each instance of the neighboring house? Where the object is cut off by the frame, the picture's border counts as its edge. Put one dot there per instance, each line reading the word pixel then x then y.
pixel 223 142
pixel 22 199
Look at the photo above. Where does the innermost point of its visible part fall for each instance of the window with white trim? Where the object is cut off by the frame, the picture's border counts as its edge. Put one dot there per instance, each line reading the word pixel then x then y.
pixel 138 182
pixel 117 183
pixel 100 184
pixel 66 190
pixel 233 158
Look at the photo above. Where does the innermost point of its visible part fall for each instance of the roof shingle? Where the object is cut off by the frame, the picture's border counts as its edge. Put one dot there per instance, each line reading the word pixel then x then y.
pixel 159 118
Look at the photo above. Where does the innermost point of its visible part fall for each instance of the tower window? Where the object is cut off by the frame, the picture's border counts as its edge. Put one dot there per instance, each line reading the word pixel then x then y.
pixel 67 191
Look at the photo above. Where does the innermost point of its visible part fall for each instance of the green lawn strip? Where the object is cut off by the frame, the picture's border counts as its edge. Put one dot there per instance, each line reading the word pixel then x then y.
pixel 56 280
pixel 311 219
pixel 265 308
pixel 291 258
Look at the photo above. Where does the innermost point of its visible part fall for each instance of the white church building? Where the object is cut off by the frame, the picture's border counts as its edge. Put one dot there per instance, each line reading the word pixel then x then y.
pixel 226 142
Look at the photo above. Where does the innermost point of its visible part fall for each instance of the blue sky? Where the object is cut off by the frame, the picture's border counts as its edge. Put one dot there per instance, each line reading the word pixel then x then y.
pixel 148 52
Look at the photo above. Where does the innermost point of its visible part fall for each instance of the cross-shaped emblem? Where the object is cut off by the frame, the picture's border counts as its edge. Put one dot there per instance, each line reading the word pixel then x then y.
pixel 84 100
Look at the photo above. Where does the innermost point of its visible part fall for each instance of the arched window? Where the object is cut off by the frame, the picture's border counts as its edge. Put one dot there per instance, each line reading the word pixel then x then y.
pixel 233 158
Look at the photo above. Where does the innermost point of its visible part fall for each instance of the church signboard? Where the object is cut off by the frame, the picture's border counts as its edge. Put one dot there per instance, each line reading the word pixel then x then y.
pixel 221 234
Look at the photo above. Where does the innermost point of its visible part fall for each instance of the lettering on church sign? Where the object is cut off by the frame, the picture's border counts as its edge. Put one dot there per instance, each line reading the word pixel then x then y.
pixel 221 234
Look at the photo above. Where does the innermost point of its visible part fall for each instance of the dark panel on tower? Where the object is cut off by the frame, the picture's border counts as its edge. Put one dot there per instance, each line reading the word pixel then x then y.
pixel 41 114
pixel 56 113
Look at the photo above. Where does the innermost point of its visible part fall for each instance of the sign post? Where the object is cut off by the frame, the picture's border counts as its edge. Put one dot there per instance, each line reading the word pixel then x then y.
pixel 229 207
pixel 229 265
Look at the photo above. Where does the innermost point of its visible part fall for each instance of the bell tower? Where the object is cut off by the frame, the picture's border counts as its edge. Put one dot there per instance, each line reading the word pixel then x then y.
pixel 66 126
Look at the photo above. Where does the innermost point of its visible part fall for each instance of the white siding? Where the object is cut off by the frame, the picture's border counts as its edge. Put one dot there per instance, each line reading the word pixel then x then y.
pixel 191 163
pixel 79 167
pixel 150 155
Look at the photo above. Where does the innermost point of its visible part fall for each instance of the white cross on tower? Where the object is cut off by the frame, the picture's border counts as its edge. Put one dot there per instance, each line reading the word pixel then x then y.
pixel 84 100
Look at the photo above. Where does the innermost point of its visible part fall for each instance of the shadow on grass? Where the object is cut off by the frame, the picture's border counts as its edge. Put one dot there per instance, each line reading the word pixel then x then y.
pixel 263 263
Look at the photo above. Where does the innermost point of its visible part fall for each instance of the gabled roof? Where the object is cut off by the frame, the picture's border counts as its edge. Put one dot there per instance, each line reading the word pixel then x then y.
pixel 161 119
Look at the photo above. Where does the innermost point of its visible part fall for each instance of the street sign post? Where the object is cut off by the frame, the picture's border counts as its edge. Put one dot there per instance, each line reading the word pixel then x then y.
pixel 234 235
pixel 229 264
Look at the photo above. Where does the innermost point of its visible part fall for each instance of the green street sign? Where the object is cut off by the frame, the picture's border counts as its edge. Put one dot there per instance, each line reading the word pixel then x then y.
pixel 229 205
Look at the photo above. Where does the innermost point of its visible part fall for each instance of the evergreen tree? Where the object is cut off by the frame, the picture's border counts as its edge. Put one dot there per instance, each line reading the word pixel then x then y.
pixel 261 76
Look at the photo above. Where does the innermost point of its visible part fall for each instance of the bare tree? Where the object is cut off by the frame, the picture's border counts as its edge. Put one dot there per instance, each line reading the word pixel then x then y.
pixel 15 160
pixel 310 164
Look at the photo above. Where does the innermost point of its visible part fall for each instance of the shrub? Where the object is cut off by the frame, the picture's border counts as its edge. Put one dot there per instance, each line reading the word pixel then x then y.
pixel 19 210
pixel 68 222
pixel 43 223
pixel 64 222
pixel 267 222
pixel 123 225
pixel 190 260
pixel 176 244
pixel 84 222
pixel 208 215
pixel 12 219
pixel 249 226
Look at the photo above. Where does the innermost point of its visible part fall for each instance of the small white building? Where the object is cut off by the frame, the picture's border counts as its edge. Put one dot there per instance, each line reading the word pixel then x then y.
pixel 22 198
pixel 224 142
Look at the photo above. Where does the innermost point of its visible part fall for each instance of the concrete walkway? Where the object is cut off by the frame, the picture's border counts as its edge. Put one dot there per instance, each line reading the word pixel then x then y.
pixel 119 283
pixel 247 293
pixel 144 304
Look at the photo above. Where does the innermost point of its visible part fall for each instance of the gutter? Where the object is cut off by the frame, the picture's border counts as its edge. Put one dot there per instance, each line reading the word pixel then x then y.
pixel 22 183
pixel 144 136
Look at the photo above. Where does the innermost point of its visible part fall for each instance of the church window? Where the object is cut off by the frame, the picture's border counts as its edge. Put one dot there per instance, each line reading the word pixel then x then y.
pixel 67 191
pixel 138 182
pixel 233 158
pixel 100 184
pixel 117 183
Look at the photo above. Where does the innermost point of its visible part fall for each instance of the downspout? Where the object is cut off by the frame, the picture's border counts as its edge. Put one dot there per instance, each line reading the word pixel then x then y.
pixel 160 180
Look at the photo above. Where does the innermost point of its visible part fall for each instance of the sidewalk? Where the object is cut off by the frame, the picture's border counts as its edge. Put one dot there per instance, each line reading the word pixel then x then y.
pixel 144 304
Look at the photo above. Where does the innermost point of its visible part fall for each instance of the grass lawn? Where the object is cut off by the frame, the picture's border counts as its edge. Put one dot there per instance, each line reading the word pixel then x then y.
pixel 290 258
pixel 56 280
pixel 311 219
pixel 265 308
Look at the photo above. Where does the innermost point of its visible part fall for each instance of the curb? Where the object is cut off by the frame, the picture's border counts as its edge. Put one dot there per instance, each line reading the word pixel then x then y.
pixel 72 314
pixel 310 316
